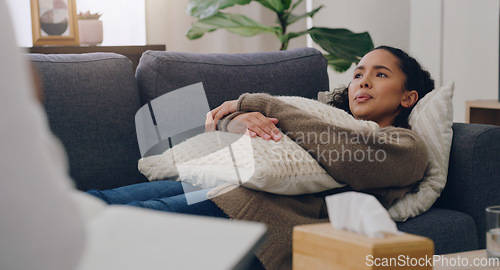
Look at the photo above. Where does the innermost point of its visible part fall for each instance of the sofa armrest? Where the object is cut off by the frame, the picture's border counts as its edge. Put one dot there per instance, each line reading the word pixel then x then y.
pixel 91 101
pixel 474 172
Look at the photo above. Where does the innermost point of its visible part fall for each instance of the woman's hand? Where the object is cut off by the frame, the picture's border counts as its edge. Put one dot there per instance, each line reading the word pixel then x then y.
pixel 216 114
pixel 255 124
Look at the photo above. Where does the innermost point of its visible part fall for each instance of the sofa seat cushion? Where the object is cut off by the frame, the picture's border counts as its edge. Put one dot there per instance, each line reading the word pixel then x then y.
pixel 91 101
pixel 451 231
pixel 300 72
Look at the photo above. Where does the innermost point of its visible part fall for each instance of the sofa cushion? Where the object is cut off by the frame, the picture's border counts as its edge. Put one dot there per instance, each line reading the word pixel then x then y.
pixel 300 72
pixel 91 101
pixel 451 231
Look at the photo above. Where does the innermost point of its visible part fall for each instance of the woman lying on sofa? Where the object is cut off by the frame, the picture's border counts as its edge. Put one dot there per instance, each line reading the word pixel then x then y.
pixel 385 87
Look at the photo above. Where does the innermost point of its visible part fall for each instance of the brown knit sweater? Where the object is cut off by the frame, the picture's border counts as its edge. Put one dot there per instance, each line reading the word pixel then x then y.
pixel 387 163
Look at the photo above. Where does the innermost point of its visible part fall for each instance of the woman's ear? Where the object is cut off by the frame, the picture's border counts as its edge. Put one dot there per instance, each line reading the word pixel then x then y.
pixel 410 98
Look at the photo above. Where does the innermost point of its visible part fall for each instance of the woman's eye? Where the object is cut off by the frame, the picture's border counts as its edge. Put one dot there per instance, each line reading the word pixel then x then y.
pixel 381 75
pixel 357 75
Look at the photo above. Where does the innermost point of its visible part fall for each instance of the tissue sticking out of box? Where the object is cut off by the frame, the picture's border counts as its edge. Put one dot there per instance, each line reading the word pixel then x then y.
pixel 360 213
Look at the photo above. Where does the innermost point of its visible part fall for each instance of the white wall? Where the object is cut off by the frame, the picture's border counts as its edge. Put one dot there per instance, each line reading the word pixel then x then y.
pixel 20 13
pixel 458 40
pixel 387 21
pixel 123 20
pixel 470 50
pixel 167 23
pixel 426 36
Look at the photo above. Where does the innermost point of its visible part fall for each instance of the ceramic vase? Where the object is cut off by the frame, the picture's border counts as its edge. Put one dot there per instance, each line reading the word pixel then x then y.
pixel 90 32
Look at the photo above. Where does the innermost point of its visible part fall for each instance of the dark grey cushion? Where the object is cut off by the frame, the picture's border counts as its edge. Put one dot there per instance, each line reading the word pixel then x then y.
pixel 474 173
pixel 450 230
pixel 91 100
pixel 300 72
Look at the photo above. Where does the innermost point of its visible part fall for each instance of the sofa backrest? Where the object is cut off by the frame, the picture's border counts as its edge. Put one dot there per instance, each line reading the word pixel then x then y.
pixel 299 72
pixel 91 101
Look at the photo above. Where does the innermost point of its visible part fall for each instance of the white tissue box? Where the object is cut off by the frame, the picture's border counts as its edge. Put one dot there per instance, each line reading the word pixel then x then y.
pixel 320 246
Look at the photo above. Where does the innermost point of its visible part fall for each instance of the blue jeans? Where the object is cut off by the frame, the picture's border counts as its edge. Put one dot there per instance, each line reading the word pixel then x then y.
pixel 162 195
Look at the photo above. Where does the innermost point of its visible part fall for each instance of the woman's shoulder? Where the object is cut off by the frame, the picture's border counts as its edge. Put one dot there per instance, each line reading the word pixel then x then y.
pixel 408 139
pixel 398 132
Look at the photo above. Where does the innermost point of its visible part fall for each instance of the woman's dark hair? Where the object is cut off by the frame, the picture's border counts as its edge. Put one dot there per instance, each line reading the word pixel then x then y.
pixel 417 79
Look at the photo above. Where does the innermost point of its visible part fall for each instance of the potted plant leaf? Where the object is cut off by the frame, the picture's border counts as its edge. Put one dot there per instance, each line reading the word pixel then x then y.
pixel 343 47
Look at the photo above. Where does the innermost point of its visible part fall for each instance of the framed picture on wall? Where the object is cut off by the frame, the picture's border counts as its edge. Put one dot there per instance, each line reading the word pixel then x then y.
pixel 54 22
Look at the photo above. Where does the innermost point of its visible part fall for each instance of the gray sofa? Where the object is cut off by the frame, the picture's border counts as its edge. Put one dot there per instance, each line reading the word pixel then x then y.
pixel 91 100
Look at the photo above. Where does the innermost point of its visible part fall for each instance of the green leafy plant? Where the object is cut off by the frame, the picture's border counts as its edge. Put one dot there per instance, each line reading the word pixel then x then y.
pixel 343 47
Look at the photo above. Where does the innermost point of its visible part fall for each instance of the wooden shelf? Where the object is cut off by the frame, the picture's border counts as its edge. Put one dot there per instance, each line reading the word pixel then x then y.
pixel 133 53
pixel 482 112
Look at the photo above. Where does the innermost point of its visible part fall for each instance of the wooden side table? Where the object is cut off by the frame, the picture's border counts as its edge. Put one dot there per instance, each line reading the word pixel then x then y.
pixel 133 53
pixel 482 112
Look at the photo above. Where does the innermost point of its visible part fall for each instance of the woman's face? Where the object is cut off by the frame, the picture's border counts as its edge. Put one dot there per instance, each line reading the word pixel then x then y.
pixel 377 89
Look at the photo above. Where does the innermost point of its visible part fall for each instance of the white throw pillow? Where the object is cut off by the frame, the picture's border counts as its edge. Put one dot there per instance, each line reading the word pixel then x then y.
pixel 206 161
pixel 432 119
